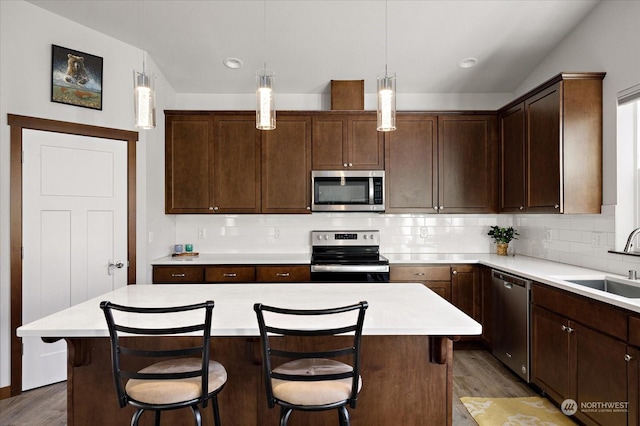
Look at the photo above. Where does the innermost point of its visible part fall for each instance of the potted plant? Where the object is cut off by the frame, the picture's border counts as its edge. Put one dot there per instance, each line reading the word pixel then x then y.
pixel 502 237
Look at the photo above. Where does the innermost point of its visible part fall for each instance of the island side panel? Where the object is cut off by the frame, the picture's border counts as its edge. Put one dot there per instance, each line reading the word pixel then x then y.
pixel 401 385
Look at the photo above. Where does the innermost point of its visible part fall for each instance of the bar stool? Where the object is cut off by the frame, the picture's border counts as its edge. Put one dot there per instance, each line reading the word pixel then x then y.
pixel 314 378
pixel 179 378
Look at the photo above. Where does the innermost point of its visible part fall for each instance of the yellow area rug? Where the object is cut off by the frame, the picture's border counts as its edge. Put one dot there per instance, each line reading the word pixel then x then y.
pixel 528 411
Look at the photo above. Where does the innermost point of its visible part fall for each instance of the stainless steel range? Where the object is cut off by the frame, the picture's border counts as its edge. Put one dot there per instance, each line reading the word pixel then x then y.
pixel 347 256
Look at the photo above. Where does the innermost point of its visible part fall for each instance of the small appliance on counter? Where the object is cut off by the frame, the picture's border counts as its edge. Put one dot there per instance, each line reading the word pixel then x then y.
pixel 347 256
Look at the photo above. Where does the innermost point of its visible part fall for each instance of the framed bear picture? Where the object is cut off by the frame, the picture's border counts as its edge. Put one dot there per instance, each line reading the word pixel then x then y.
pixel 76 78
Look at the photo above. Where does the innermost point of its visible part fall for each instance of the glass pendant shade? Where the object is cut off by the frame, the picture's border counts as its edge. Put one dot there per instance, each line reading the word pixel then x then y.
pixel 386 102
pixel 265 100
pixel 144 101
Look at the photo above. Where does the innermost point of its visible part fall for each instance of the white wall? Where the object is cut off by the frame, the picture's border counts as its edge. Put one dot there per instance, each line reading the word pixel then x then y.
pixel 26 35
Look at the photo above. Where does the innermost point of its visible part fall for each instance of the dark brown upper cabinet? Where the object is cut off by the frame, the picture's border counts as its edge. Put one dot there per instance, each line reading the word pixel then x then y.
pixel 286 165
pixel 346 141
pixel 467 163
pixel 551 147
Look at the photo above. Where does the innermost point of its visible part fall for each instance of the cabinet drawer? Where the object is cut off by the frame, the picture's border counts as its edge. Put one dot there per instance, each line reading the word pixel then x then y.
pixel 181 274
pixel 596 315
pixel 283 273
pixel 229 274
pixel 420 273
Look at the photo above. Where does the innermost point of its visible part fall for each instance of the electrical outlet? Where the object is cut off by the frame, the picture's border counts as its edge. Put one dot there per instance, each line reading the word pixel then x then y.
pixel 596 239
pixel 424 232
pixel 202 233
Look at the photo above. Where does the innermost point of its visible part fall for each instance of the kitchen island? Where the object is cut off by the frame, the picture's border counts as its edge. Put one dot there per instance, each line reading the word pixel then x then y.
pixel 407 358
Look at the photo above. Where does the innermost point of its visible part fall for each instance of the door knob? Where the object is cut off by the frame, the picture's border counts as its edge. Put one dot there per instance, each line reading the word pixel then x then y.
pixel 112 265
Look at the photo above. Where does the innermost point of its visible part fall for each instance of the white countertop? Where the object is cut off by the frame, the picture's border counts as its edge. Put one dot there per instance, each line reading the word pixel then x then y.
pixel 544 271
pixel 236 259
pixel 394 308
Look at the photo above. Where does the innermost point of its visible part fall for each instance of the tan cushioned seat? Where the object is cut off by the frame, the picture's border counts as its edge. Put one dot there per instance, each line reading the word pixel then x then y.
pixel 177 390
pixel 313 393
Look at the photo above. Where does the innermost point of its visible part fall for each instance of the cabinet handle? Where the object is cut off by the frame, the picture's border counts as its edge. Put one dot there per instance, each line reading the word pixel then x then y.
pixel 282 274
pixel 230 274
pixel 178 275
pixel 627 357
pixel 420 274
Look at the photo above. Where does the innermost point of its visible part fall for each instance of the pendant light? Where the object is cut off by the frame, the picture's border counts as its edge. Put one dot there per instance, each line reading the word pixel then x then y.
pixel 265 96
pixel 386 91
pixel 144 99
pixel 144 104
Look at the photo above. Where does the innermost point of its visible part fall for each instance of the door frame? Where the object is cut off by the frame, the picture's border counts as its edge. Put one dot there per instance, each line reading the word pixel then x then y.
pixel 18 123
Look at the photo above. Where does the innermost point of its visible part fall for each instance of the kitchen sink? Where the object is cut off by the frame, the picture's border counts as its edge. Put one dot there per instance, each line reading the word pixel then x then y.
pixel 610 285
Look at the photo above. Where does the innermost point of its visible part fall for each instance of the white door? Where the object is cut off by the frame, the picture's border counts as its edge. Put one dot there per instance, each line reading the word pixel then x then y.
pixel 74 225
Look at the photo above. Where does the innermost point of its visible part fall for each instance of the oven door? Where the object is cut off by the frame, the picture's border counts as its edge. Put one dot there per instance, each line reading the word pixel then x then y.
pixel 336 273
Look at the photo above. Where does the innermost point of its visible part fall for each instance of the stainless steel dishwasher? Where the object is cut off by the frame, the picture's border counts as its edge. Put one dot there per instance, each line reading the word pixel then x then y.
pixel 511 328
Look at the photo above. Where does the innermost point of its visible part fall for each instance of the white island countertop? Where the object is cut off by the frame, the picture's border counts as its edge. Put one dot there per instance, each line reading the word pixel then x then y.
pixel 394 309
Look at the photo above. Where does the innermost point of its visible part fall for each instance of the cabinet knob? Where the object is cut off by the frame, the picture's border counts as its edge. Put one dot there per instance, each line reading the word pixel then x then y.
pixel 435 208
pixel 521 207
pixel 215 208
pixel 627 357
pixel 344 165
pixel 308 208
pixel 567 329
pixel 350 164
pixel 454 272
pixel 441 208
pixel 555 206
pixel 210 208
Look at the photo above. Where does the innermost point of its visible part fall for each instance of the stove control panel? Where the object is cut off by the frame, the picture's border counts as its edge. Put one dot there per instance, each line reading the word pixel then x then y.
pixel 351 238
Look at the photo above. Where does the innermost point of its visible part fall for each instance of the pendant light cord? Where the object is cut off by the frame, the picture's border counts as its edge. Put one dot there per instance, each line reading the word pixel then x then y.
pixel 264 35
pixel 386 20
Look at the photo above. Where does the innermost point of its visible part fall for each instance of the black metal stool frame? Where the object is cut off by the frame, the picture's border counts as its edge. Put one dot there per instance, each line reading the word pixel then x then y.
pixel 118 349
pixel 354 350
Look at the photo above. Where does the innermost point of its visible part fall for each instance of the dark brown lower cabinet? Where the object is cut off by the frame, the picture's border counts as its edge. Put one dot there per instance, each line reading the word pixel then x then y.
pixel 571 360
pixel 211 274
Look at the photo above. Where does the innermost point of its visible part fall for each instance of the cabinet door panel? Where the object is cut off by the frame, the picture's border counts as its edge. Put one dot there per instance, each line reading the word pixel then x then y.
pixel 467 164
pixel 512 159
pixel 236 172
pixel 544 157
pixel 411 165
pixel 550 353
pixel 328 137
pixel 188 164
pixel 366 144
pixel 286 166
pixel 601 374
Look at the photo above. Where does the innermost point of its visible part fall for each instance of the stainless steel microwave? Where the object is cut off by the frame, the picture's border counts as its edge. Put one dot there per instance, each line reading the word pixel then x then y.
pixel 347 190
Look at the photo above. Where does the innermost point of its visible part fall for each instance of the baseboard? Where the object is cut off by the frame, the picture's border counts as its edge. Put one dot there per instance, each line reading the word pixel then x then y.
pixel 5 392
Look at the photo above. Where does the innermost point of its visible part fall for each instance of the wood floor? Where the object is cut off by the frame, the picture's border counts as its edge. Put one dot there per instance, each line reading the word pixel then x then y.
pixel 475 373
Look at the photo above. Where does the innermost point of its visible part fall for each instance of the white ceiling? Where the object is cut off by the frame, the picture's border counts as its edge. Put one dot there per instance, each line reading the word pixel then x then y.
pixel 310 42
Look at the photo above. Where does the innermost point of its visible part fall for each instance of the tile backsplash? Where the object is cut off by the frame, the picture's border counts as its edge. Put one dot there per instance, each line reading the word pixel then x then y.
pixel 582 240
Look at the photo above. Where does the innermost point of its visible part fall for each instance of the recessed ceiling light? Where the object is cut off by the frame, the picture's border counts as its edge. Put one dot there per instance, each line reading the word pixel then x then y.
pixel 233 63
pixel 468 63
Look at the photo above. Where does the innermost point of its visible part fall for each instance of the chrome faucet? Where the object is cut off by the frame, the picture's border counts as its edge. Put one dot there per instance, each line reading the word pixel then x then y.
pixel 627 247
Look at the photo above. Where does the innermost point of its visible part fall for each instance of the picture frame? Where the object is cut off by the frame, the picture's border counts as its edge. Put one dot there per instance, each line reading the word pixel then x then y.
pixel 76 78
